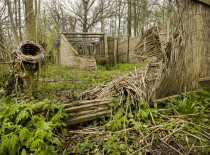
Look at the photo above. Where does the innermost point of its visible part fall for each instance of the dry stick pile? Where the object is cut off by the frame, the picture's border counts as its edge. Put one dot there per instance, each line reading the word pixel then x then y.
pixel 140 84
pixel 169 143
pixel 135 85
pixel 149 45
pixel 126 84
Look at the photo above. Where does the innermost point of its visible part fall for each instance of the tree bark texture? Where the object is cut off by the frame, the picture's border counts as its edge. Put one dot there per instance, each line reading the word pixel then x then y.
pixel 85 6
pixel 30 20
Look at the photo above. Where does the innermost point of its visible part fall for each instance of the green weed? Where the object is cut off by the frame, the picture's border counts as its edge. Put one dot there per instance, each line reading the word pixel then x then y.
pixel 24 131
pixel 189 113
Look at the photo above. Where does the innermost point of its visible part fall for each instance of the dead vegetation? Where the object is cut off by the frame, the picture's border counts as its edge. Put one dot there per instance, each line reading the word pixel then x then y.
pixel 151 45
pixel 167 128
pixel 135 85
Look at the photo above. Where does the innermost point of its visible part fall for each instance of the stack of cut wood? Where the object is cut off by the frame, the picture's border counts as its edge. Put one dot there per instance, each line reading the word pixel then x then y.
pixel 86 110
pixel 149 45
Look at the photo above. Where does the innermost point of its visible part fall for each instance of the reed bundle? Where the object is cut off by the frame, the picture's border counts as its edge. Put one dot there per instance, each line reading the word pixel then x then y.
pixel 149 45
pixel 137 85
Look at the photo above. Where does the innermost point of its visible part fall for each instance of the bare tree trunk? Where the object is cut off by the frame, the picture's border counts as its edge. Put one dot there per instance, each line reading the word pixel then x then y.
pixel 129 18
pixel 135 18
pixel 144 10
pixel 129 27
pixel 72 23
pixel 19 21
pixel 35 7
pixel 85 4
pixel 15 8
pixel 2 52
pixel 119 18
pixel 102 14
pixel 37 21
pixel 169 20
pixel 115 24
pixel 12 22
pixel 30 20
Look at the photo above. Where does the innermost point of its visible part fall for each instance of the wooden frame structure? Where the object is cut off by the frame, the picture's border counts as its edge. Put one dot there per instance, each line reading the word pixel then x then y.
pixel 86 50
pixel 86 43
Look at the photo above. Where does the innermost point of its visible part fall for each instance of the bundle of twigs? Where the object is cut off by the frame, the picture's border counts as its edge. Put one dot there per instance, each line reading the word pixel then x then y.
pixel 138 85
pixel 149 45
pixel 133 84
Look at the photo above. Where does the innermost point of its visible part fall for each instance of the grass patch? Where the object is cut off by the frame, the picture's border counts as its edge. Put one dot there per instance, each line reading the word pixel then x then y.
pixel 55 78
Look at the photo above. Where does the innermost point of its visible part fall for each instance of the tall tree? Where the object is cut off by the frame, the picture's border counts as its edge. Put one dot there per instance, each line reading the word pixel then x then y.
pixel 2 53
pixel 37 20
pixel 12 22
pixel 129 18
pixel 144 12
pixel 135 17
pixel 30 20
pixel 90 12
pixel 121 6
pixel 19 20
pixel 102 14
pixel 169 19
pixel 129 27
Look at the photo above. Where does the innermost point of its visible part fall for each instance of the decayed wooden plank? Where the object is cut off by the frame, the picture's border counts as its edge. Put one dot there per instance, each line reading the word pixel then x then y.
pixel 83 102
pixel 86 106
pixel 86 110
pixel 85 118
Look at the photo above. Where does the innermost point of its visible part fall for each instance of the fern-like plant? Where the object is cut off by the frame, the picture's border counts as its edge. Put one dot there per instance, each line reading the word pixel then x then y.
pixel 24 131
